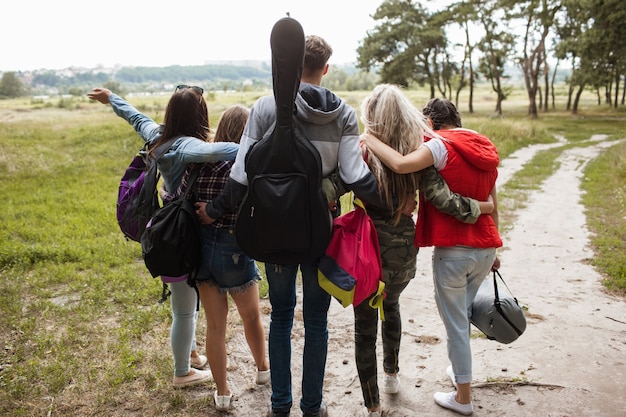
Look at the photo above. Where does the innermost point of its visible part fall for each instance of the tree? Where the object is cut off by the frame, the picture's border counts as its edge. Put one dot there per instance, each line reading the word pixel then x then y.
pixel 497 46
pixel 464 14
pixel 11 86
pixel 402 44
pixel 592 34
pixel 539 18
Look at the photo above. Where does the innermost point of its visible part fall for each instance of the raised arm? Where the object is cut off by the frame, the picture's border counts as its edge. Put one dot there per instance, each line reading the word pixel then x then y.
pixel 147 128
pixel 398 163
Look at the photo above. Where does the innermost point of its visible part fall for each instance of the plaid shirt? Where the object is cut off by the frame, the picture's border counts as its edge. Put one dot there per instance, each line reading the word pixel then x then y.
pixel 211 181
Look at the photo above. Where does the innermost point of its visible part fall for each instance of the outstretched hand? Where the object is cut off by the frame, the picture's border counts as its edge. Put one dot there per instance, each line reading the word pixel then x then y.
pixel 201 213
pixel 100 94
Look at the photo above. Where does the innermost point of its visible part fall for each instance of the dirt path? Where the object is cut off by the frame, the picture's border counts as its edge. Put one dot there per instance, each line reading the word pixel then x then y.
pixel 571 361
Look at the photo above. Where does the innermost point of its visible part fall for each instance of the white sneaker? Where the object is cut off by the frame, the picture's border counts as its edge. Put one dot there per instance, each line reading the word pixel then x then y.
pixel 450 374
pixel 448 400
pixel 372 413
pixel 222 402
pixel 198 362
pixel 391 384
pixel 262 377
pixel 195 377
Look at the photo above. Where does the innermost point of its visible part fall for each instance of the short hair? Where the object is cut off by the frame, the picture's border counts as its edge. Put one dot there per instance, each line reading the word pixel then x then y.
pixel 442 112
pixel 316 54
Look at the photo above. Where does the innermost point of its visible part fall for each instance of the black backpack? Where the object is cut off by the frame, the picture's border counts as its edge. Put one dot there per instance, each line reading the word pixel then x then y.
pixel 284 218
pixel 171 243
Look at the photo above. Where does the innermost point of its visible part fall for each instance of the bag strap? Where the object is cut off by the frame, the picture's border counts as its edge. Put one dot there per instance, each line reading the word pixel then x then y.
pixel 376 301
pixel 358 203
pixel 495 285
pixel 497 304
pixel 160 150
pixel 193 176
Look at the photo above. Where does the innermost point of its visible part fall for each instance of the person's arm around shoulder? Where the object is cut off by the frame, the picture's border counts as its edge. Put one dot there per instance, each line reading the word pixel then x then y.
pixel 199 151
pixel 415 161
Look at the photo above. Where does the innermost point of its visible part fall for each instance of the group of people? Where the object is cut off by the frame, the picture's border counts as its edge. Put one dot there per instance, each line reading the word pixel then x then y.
pixel 401 152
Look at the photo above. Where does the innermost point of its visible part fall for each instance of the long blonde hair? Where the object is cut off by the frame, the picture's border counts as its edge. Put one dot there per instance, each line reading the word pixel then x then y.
pixel 389 115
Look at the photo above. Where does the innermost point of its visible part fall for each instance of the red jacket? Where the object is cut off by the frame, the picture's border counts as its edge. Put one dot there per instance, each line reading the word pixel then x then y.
pixel 471 170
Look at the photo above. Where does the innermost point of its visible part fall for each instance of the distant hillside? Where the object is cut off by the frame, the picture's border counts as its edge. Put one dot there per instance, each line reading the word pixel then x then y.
pixel 215 76
pixel 212 76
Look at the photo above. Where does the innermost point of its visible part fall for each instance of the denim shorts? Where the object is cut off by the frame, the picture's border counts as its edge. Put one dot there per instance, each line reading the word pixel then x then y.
pixel 223 262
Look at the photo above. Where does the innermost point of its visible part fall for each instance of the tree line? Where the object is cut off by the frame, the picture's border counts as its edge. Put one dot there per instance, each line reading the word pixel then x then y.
pixel 412 45
pixel 157 79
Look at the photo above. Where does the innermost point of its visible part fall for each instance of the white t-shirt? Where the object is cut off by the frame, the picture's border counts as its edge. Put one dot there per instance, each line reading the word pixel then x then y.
pixel 439 151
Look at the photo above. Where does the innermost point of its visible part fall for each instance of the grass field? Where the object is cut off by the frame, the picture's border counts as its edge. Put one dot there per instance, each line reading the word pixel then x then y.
pixel 81 331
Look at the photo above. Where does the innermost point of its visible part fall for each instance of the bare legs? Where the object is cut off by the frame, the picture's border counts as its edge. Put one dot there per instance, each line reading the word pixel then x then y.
pixel 216 311
pixel 463 393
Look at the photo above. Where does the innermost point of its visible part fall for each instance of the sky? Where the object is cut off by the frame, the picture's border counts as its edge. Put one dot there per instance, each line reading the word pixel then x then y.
pixel 37 34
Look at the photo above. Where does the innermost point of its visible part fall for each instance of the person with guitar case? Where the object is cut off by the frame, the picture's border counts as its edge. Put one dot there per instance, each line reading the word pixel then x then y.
pixel 284 219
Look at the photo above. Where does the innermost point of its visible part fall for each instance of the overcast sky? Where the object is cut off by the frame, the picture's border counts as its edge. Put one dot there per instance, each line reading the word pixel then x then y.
pixel 57 34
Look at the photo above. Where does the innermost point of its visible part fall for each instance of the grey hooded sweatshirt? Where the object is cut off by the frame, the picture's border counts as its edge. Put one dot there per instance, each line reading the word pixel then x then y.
pixel 332 127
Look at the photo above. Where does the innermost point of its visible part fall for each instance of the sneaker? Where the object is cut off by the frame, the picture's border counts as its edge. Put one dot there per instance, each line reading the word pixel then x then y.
pixel 372 413
pixel 262 377
pixel 450 374
pixel 272 413
pixel 222 402
pixel 194 377
pixel 198 362
pixel 448 400
pixel 322 412
pixel 391 384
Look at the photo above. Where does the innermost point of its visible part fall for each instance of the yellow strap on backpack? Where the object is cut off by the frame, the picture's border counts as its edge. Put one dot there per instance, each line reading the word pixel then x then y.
pixel 376 301
pixel 357 202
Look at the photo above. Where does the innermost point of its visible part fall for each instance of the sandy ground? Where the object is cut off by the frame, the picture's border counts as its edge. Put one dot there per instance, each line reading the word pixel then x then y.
pixel 571 361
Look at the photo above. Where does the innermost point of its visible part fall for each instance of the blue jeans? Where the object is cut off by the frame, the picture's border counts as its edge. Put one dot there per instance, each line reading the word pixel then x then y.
pixel 184 302
pixel 282 293
pixel 458 272
pixel 223 263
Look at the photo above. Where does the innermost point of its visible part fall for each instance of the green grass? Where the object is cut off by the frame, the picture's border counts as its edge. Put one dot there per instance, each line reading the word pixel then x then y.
pixel 81 330
pixel 605 199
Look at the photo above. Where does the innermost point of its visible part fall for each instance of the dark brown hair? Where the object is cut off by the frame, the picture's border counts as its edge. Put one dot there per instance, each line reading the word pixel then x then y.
pixel 443 113
pixel 186 114
pixel 231 125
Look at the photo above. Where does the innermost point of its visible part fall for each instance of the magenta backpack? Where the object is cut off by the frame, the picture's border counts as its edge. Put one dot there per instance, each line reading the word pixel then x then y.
pixel 137 197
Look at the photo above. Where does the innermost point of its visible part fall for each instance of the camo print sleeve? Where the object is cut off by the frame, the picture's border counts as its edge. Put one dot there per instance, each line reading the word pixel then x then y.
pixel 436 190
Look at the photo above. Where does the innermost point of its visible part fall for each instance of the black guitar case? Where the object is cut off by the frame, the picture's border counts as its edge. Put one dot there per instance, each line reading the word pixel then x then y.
pixel 284 217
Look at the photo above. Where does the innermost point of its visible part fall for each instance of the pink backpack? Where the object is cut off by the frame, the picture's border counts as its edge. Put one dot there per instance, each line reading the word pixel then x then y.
pixel 351 268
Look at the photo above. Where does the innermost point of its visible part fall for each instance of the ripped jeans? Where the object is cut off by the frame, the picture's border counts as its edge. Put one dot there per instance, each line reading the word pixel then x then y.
pixel 223 262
